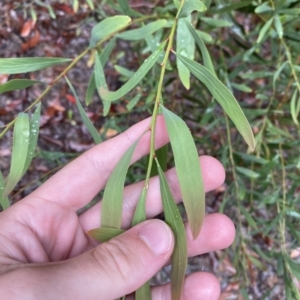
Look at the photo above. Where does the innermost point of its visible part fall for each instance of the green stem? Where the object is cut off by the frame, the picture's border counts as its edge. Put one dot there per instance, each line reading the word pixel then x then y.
pixel 157 103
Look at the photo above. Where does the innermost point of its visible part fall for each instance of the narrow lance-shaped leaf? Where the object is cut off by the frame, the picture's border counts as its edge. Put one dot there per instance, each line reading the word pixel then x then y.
pixel 185 46
pixel 101 82
pixel 4 201
pixel 28 64
pixel 17 84
pixel 111 212
pixel 86 120
pixel 180 252
pixel 33 137
pixel 104 234
pixel 295 107
pixel 187 169
pixel 144 292
pixel 264 30
pixel 19 151
pixel 204 52
pixel 107 27
pixel 90 90
pixel 135 79
pixel 142 32
pixel 189 6
pixel 124 6
pixel 103 59
pixel 140 210
pixel 225 98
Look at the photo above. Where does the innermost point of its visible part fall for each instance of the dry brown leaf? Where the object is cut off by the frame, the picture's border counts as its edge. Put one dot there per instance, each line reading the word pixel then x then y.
pixel 109 133
pixel 32 42
pixel 27 28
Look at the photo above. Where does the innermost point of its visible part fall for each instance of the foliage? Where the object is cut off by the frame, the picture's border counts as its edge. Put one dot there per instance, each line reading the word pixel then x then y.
pixel 247 61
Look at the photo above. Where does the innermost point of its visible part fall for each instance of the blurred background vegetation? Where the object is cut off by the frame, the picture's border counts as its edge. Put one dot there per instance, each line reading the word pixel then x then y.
pixel 254 47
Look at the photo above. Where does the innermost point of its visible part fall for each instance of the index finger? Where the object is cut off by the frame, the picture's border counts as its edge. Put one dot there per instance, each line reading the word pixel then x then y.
pixel 79 182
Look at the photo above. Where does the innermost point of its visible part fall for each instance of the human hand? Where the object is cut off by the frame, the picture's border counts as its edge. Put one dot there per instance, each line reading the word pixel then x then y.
pixel 45 253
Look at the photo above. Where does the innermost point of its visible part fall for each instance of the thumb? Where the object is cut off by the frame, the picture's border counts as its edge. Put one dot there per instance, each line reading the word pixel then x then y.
pixel 109 271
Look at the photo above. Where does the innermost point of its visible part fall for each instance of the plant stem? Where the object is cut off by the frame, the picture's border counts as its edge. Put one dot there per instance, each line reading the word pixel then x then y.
pixel 157 103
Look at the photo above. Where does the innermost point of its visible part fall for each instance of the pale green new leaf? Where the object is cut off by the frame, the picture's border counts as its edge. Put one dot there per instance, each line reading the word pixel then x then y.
pixel 295 107
pixel 111 212
pixel 33 137
pixel 185 46
pixel 4 201
pixel 142 32
pixel 135 79
pixel 19 151
pixel 187 169
pixel 48 6
pixel 17 84
pixel 189 6
pixel 108 27
pixel 28 64
pixel 204 52
pixel 123 71
pixel 90 3
pixel 225 98
pixel 104 234
pixel 86 120
pixel 180 252
pixel 75 6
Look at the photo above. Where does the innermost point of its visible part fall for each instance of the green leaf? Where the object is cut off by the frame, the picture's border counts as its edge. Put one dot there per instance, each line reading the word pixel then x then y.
pixel 187 169
pixel 104 56
pixel 185 46
pixel 86 120
pixel 144 292
pixel 90 3
pixel 108 27
pixel 4 201
pixel 204 52
pixel 295 107
pixel 162 157
pixel 225 98
pixel 133 102
pixel 75 6
pixel 223 8
pixel 28 64
pixel 101 82
pixel 248 217
pixel 278 26
pixel 123 71
pixel 124 6
pixel 90 90
pixel 247 172
pixel 264 30
pixel 216 22
pixel 111 213
pixel 142 32
pixel 189 6
pixel 104 234
pixel 135 79
pixel 140 210
pixel 174 220
pixel 33 138
pixel 19 151
pixel 17 84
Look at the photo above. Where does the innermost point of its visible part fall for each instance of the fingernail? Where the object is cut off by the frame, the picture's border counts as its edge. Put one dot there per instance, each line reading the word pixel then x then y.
pixel 157 235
